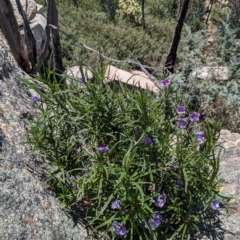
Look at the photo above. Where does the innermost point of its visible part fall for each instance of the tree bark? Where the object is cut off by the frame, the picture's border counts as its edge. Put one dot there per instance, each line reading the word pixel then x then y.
pixel 50 64
pixel 209 10
pixel 143 14
pixel 9 27
pixel 172 54
pixel 30 41
pixel 53 39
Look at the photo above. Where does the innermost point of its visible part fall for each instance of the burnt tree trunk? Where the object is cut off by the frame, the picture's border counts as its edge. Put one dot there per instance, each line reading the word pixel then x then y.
pixel 9 27
pixel 143 14
pixel 209 10
pixel 29 39
pixel 52 49
pixel 172 54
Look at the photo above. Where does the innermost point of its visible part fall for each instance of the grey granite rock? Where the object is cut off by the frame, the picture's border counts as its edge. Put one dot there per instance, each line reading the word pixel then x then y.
pixel 28 210
pixel 29 7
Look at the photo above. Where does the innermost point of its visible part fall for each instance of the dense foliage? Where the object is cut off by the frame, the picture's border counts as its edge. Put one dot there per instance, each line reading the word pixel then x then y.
pixel 141 165
pixel 99 25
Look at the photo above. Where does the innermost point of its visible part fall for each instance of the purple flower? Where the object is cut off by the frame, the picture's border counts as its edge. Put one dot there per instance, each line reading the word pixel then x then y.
pixel 200 141
pixel 148 140
pixel 179 183
pixel 161 200
pixel 103 149
pixel 180 109
pixel 174 165
pixel 155 221
pixel 42 89
pixel 194 117
pixel 115 204
pixel 81 80
pixel 119 229
pixel 35 98
pixel 215 204
pixel 182 123
pixel 165 83
pixel 201 137
pixel 200 134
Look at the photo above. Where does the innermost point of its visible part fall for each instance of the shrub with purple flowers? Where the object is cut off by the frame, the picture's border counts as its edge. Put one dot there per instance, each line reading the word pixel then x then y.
pixel 115 204
pixel 42 89
pixel 194 117
pixel 181 109
pixel 165 83
pixel 182 123
pixel 201 137
pixel 119 229
pixel 81 80
pixel 35 98
pixel 103 149
pixel 161 200
pixel 149 171
pixel 155 221
pixel 148 140
pixel 215 204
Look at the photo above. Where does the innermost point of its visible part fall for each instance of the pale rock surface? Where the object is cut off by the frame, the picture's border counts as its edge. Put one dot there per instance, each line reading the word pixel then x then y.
pixel 75 72
pixel 218 73
pixel 134 78
pixel 30 8
pixel 37 21
pixel 40 9
pixel 37 26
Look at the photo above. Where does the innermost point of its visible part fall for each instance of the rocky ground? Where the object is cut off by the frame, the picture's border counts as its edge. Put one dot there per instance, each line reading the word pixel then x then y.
pixel 230 172
pixel 27 209
pixel 227 227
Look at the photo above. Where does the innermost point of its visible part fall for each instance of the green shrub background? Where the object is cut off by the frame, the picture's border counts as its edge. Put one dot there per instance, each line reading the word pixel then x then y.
pixel 74 122
pixel 98 25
